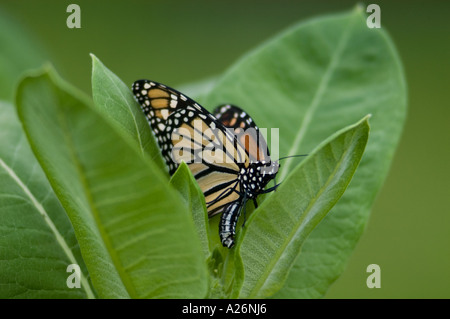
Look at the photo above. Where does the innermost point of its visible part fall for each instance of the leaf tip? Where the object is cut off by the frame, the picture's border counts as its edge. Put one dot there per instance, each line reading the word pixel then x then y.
pixel 365 121
pixel 94 59
pixel 359 7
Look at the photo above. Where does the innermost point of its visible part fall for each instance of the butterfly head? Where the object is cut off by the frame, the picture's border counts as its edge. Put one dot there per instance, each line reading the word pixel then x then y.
pixel 269 170
pixel 257 176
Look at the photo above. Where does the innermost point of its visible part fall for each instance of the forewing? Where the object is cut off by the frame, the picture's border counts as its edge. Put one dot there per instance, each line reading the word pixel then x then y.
pixel 187 132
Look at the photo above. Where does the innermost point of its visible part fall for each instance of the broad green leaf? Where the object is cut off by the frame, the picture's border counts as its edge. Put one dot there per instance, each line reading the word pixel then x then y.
pixel 314 79
pixel 277 230
pixel 136 237
pixel 184 182
pixel 19 51
pixel 114 100
pixel 37 241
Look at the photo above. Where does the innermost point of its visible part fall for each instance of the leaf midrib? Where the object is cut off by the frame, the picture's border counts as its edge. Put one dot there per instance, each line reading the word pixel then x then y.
pixel 59 238
pixel 323 84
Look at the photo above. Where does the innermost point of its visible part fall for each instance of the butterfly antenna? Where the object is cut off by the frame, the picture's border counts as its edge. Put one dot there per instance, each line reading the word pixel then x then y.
pixel 282 158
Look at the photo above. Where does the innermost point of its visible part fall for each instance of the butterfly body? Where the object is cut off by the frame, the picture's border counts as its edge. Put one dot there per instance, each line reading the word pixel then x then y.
pixel 252 182
pixel 225 151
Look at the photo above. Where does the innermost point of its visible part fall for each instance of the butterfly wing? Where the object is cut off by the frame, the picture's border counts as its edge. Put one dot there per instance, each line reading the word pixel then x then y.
pixel 185 131
pixel 246 131
pixel 234 117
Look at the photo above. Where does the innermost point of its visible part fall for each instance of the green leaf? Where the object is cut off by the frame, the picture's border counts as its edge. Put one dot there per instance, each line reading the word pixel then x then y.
pixel 135 235
pixel 183 181
pixel 37 241
pixel 314 79
pixel 114 100
pixel 277 230
pixel 19 51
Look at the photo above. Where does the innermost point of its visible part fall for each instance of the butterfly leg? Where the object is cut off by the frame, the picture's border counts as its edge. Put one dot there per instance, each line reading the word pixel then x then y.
pixel 245 214
pixel 271 189
pixel 245 211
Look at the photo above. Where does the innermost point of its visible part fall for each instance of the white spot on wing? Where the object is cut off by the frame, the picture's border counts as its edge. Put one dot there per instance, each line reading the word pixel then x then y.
pixel 165 113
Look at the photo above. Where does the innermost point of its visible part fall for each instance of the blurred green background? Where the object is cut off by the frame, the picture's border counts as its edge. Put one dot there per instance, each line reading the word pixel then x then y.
pixel 178 42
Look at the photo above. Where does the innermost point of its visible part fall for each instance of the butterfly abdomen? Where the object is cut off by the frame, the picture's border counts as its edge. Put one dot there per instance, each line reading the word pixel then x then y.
pixel 228 221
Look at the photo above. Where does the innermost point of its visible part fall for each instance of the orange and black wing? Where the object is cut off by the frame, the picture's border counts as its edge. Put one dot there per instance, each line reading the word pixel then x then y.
pixel 246 131
pixel 185 131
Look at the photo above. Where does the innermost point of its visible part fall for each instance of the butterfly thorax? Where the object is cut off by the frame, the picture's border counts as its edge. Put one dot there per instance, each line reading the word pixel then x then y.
pixel 256 176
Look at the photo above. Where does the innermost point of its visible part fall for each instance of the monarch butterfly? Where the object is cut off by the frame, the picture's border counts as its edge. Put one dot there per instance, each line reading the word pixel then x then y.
pixel 230 167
